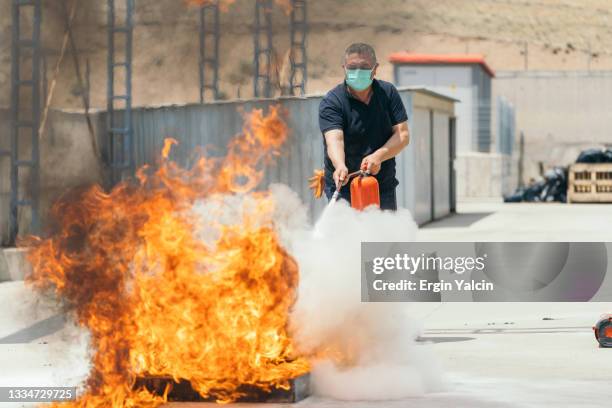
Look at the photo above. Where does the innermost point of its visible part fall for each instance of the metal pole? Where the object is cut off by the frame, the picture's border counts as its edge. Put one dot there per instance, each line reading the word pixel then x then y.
pixel 202 37
pixel 120 133
pixel 129 163
pixel 35 174
pixel 521 182
pixel 45 79
pixel 87 81
pixel 268 13
pixel 263 27
pixel 19 124
pixel 217 34
pixel 298 34
pixel 110 82
pixel 15 59
pixel 256 51
pixel 209 35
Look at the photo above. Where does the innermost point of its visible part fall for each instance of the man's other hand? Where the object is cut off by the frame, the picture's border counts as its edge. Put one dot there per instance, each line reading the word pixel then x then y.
pixel 371 164
pixel 341 176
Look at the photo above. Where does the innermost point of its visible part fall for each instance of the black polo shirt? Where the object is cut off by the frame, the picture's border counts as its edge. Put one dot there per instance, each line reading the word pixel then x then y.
pixel 366 127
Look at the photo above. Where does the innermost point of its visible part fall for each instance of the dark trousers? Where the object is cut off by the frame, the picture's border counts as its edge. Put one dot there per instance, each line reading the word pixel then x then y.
pixel 388 200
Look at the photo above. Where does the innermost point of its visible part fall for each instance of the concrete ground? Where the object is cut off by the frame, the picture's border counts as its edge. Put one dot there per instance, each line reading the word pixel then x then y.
pixel 507 356
pixel 515 355
pixel 523 222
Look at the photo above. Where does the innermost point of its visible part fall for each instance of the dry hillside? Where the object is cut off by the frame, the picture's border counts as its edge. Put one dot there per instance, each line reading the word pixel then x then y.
pixel 557 34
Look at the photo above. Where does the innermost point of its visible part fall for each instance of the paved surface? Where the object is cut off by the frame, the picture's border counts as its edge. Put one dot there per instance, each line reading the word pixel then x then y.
pixel 523 222
pixel 494 355
pixel 519 355
pixel 506 355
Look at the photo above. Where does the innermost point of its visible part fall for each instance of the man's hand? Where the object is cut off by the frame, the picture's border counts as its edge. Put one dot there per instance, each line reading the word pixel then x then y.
pixel 371 163
pixel 341 176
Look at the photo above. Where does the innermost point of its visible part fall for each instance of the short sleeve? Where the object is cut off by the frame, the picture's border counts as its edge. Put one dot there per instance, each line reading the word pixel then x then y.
pixel 396 107
pixel 330 115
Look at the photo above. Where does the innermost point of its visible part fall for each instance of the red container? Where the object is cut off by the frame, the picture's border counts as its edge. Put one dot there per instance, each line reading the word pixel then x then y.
pixel 603 331
pixel 364 192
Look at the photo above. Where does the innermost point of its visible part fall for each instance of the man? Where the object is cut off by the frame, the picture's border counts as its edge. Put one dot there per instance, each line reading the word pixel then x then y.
pixel 365 125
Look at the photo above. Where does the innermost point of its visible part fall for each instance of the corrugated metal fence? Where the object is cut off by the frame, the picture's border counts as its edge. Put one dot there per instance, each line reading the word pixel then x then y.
pixel 214 125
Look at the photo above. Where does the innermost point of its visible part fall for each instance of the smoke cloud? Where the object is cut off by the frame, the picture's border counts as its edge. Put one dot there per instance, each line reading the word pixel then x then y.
pixel 370 349
pixel 374 344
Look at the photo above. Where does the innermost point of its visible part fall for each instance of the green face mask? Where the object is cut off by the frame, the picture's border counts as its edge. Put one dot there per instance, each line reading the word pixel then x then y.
pixel 359 79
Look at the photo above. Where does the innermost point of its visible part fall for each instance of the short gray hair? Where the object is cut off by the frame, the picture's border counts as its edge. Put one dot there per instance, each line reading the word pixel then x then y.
pixel 363 49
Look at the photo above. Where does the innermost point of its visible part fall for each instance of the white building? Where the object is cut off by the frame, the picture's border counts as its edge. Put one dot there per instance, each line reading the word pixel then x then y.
pixel 482 172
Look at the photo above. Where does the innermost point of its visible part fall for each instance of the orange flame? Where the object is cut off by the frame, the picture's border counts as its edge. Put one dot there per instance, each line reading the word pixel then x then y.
pixel 161 301
pixel 317 183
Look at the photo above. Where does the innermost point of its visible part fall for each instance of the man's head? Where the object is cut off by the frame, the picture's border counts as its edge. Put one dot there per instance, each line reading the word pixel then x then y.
pixel 359 65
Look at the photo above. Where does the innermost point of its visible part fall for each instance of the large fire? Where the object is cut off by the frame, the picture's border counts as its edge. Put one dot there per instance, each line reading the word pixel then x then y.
pixel 161 301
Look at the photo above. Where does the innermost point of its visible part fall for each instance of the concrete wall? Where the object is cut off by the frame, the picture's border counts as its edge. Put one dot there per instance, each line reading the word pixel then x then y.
pixel 560 113
pixel 485 175
pixel 67 160
pixel 5 171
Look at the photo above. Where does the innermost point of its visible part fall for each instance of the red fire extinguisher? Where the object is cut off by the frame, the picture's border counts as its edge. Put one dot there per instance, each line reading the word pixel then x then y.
pixel 364 191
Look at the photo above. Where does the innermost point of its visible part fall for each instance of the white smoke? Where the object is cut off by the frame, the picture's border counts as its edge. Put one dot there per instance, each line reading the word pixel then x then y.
pixel 389 364
pixel 329 311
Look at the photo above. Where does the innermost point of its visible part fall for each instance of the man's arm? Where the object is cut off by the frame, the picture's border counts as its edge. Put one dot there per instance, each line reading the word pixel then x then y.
pixel 334 140
pixel 396 143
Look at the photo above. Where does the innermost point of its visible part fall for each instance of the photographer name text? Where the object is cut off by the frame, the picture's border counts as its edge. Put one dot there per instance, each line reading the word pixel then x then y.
pixel 436 287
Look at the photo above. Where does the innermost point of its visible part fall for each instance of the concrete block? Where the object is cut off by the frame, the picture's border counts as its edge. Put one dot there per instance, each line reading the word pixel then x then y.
pixel 484 175
pixel 18 266
pixel 4 272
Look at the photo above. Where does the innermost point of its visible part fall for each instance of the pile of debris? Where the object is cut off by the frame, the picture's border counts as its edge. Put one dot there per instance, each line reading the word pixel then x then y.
pixel 553 185
pixel 595 156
